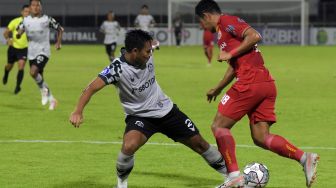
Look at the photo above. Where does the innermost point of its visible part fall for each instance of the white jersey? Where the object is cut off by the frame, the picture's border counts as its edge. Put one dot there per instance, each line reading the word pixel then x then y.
pixel 144 21
pixel 139 92
pixel 38 34
pixel 111 30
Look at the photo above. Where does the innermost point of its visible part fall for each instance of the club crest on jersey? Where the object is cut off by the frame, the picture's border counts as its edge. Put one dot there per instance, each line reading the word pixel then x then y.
pixel 150 67
pixel 106 71
pixel 231 29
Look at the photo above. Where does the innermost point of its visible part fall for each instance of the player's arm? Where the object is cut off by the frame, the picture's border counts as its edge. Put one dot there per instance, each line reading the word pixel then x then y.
pixel 76 117
pixel 152 22
pixel 7 33
pixel 228 77
pixel 59 29
pixel 250 38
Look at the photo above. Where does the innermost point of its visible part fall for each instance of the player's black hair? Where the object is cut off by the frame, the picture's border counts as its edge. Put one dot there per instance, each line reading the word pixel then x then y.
pixel 136 39
pixel 30 1
pixel 207 6
pixel 25 6
pixel 144 6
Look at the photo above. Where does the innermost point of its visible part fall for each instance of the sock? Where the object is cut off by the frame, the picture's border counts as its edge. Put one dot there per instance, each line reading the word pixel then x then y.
pixel 19 78
pixel 227 147
pixel 6 72
pixel 215 160
pixel 39 80
pixel 125 165
pixel 282 147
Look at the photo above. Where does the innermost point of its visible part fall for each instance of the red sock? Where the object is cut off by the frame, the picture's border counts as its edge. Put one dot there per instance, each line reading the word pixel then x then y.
pixel 282 147
pixel 227 147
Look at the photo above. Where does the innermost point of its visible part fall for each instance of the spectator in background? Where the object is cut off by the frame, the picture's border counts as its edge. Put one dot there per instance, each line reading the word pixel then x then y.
pixel 144 20
pixel 178 25
pixel 111 29
pixel 17 49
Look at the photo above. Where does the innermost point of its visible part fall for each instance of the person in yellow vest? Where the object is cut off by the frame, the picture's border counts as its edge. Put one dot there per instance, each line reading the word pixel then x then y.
pixel 17 49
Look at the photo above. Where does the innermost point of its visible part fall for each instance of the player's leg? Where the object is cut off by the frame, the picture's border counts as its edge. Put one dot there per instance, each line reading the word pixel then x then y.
pixel 112 52
pixel 179 127
pixel 233 106
pixel 108 49
pixel 138 131
pixel 22 56
pixel 10 62
pixel 210 154
pixel 260 121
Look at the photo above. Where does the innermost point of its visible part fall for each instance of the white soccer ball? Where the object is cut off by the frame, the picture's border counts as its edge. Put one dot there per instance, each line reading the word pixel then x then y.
pixel 256 175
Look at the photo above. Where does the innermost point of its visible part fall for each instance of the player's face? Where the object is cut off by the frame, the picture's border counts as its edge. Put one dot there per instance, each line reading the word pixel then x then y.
pixel 110 17
pixel 144 54
pixel 144 11
pixel 207 23
pixel 35 7
pixel 25 12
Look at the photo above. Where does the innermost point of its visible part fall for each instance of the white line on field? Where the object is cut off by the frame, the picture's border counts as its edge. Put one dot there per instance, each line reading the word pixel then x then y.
pixel 148 143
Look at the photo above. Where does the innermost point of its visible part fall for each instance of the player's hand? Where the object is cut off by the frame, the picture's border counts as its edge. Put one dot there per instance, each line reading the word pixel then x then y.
pixel 9 42
pixel 76 119
pixel 224 56
pixel 58 46
pixel 212 94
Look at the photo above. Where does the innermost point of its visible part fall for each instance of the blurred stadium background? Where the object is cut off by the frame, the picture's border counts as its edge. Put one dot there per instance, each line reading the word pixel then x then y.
pixel 280 22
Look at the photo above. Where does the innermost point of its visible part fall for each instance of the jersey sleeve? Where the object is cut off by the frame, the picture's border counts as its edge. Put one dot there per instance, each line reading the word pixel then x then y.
pixel 53 23
pixel 112 73
pixel 102 27
pixel 11 26
pixel 235 26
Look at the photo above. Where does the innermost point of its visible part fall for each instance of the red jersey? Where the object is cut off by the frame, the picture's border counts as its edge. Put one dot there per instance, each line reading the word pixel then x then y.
pixel 249 67
pixel 208 36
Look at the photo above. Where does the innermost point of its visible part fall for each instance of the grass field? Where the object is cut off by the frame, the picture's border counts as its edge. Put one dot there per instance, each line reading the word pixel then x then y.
pixel 306 106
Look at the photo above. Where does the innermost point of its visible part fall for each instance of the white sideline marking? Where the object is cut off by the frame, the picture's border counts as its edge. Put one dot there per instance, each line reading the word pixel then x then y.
pixel 148 143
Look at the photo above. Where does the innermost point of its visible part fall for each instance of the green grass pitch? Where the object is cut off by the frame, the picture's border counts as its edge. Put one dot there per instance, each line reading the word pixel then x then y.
pixel 306 106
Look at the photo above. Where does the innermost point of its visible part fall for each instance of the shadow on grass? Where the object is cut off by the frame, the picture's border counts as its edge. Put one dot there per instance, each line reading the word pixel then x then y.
pixel 83 184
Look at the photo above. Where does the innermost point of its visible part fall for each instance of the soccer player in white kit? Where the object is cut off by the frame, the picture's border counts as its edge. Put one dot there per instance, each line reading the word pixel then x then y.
pixel 148 110
pixel 111 29
pixel 37 27
pixel 144 20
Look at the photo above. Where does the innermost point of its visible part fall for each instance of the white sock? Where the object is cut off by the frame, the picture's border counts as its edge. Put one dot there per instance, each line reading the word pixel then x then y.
pixel 234 174
pixel 303 158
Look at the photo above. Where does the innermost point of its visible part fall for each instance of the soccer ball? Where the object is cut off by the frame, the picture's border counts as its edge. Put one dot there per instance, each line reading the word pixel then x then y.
pixel 256 175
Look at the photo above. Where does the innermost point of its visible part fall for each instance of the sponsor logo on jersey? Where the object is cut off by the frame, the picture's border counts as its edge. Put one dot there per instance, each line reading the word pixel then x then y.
pixel 231 29
pixel 144 86
pixel 190 124
pixel 105 72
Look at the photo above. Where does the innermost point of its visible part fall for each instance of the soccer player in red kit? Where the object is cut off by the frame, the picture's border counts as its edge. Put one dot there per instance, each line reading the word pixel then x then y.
pixel 208 43
pixel 253 93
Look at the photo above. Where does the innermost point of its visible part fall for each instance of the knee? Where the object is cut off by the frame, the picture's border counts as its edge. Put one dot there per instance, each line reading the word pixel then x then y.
pixel 33 73
pixel 129 148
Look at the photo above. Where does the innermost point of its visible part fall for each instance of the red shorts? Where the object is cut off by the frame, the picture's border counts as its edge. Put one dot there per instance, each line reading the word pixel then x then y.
pixel 208 44
pixel 256 100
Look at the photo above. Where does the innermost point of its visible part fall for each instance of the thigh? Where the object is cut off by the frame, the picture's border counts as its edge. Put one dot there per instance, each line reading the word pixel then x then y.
pixel 265 110
pixel 40 62
pixel 11 56
pixel 237 102
pixel 140 124
pixel 113 46
pixel 177 125
pixel 132 141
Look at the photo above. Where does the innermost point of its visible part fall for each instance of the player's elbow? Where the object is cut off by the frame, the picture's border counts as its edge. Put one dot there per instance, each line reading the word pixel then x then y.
pixel 257 37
